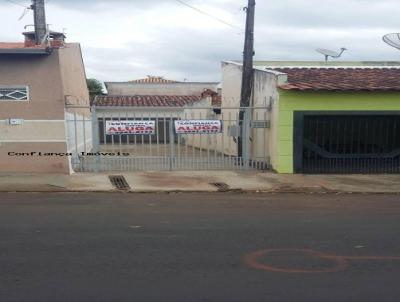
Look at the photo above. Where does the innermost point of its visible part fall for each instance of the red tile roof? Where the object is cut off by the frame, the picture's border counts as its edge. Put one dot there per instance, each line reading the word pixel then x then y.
pixel 153 80
pixel 342 79
pixel 146 101
pixel 12 45
pixel 6 45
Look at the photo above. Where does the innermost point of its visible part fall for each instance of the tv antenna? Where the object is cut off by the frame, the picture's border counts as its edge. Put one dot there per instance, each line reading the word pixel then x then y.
pixel 330 53
pixel 392 40
pixel 24 13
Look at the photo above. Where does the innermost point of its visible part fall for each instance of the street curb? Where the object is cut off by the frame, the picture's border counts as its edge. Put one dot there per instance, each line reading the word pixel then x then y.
pixel 233 191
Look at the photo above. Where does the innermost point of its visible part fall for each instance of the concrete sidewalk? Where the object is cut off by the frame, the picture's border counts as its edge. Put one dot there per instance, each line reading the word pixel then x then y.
pixel 201 181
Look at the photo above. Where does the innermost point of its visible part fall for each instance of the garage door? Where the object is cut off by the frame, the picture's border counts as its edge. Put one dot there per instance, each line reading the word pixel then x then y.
pixel 347 142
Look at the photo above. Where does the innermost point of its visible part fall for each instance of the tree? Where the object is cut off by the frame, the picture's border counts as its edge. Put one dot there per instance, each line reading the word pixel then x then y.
pixel 95 88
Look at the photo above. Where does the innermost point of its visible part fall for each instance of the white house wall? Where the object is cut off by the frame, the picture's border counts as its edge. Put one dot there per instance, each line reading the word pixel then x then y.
pixel 139 113
pixel 231 89
pixel 159 89
pixel 203 111
pixel 265 95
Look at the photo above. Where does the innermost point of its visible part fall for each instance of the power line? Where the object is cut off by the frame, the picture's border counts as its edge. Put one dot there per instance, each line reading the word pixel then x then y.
pixel 209 15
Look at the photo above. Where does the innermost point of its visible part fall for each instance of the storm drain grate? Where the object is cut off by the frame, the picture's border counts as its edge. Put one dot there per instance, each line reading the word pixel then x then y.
pixel 119 182
pixel 222 187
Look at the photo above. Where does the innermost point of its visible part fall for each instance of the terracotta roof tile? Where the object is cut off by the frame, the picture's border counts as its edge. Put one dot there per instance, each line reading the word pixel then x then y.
pixel 153 80
pixel 12 45
pixel 145 101
pixel 342 79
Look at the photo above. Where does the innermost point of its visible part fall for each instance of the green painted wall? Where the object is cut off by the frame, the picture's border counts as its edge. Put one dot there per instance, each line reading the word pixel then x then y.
pixel 291 101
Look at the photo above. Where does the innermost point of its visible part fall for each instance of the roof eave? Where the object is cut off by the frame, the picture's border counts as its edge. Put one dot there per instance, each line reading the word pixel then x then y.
pixel 212 83
pixel 26 51
pixel 146 108
pixel 335 90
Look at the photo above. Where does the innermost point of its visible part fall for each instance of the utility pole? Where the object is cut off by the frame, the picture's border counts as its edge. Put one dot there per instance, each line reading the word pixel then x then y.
pixel 247 81
pixel 40 20
pixel 248 71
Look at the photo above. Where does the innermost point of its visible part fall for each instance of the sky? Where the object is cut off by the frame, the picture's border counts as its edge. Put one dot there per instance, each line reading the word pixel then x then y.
pixel 124 40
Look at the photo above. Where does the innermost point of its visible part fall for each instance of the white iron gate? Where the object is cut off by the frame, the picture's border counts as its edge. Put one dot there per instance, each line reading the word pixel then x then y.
pixel 177 139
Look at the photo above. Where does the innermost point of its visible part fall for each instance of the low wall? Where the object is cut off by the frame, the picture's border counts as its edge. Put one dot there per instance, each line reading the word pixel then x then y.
pixel 23 148
pixel 34 158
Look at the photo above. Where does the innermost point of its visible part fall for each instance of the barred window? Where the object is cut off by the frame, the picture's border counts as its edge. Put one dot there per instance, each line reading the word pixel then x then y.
pixel 14 93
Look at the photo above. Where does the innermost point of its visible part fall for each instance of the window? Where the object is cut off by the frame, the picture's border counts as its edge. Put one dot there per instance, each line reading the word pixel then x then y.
pixel 14 93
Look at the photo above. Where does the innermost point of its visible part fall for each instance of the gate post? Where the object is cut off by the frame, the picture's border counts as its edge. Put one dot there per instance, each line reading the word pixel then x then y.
pixel 95 139
pixel 171 144
pixel 246 132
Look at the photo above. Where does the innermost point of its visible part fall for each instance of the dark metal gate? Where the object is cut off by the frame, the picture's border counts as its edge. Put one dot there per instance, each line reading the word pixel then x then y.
pixel 347 142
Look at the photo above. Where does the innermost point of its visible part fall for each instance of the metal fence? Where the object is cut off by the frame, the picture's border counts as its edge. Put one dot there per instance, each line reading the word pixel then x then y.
pixel 165 149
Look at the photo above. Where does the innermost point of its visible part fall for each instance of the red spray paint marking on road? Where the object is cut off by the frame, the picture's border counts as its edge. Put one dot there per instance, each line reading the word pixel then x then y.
pixel 340 263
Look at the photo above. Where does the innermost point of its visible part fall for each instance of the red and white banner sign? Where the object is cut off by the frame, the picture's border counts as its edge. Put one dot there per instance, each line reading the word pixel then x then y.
pixel 198 127
pixel 130 127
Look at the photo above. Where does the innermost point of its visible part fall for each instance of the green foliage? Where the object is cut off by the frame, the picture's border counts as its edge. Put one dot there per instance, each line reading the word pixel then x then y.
pixel 94 87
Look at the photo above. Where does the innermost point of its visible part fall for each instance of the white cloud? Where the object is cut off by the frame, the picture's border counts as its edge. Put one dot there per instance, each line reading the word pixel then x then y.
pixel 124 39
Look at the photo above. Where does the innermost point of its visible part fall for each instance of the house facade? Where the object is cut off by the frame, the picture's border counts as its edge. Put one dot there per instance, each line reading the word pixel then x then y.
pixel 39 86
pixel 325 119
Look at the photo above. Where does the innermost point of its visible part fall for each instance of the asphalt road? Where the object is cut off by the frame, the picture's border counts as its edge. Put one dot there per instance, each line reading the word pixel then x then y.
pixel 199 247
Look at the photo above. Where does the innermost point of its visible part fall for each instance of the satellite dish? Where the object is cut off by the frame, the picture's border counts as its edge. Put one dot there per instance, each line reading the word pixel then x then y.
pixel 329 53
pixel 392 40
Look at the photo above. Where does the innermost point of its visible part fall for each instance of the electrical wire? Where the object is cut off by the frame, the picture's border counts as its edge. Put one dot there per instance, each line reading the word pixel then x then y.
pixel 209 15
pixel 26 10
